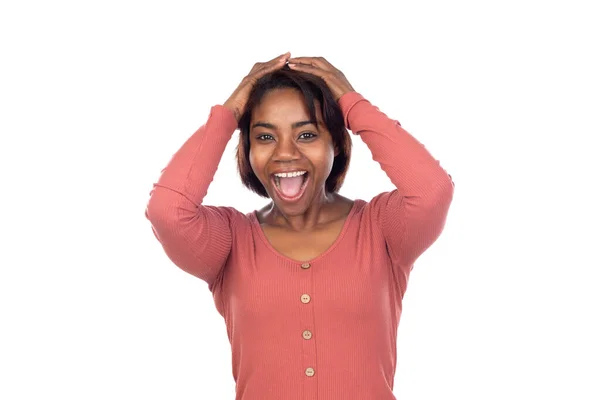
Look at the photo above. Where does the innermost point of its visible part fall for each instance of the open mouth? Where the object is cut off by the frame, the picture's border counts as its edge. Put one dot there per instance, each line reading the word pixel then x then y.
pixel 290 188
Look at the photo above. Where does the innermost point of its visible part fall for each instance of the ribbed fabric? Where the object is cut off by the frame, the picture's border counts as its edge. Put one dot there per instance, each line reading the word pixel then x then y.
pixel 355 288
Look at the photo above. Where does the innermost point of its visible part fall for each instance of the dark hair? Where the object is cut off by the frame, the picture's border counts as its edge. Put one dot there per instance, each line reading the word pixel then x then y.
pixel 312 88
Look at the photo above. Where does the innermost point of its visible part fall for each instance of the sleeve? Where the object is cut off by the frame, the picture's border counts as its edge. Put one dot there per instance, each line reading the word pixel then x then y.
pixel 412 216
pixel 197 238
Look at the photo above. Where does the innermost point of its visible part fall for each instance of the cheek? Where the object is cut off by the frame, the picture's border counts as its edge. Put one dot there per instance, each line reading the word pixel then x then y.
pixel 322 159
pixel 257 163
pixel 253 162
pixel 252 159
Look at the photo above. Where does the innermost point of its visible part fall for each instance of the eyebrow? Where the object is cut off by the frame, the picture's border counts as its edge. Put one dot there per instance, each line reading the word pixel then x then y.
pixel 294 125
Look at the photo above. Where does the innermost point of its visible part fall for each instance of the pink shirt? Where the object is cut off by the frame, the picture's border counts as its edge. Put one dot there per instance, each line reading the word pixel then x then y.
pixel 324 329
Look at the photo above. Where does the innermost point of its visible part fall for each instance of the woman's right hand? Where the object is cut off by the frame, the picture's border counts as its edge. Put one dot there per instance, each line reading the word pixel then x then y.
pixel 237 101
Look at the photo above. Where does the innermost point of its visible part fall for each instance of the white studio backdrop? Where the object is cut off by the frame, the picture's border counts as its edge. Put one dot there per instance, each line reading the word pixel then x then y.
pixel 95 97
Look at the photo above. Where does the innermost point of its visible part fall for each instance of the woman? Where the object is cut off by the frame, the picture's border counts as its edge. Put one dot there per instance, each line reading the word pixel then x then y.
pixel 311 285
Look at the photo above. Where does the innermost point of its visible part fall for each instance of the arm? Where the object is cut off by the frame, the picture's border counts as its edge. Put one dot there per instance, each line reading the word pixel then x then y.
pixel 196 238
pixel 413 215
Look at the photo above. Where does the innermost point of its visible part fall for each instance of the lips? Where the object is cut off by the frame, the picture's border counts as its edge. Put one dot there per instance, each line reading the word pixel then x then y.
pixel 294 198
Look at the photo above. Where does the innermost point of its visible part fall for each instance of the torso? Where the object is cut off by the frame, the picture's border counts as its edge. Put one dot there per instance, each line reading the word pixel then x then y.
pixel 305 246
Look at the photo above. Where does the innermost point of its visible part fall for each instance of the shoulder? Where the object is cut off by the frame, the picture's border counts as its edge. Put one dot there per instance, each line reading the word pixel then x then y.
pixel 259 214
pixel 237 219
pixel 374 212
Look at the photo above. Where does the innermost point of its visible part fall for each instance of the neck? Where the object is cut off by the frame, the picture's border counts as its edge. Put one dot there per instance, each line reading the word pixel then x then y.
pixel 318 212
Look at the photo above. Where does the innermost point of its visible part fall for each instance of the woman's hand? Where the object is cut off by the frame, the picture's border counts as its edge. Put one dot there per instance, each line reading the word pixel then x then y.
pixel 335 79
pixel 237 101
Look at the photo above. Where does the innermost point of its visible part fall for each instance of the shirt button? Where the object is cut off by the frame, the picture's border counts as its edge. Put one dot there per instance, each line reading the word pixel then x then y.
pixel 309 372
pixel 305 266
pixel 307 335
pixel 305 298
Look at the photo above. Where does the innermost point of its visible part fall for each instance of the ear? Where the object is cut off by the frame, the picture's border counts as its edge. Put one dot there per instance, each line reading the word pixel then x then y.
pixel 336 151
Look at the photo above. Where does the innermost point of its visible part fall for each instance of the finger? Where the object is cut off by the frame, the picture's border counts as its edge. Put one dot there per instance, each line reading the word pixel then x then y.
pixel 279 58
pixel 275 63
pixel 319 62
pixel 276 60
pixel 308 68
pixel 282 59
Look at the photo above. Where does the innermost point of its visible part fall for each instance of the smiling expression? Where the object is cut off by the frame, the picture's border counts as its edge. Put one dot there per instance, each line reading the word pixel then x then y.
pixel 284 139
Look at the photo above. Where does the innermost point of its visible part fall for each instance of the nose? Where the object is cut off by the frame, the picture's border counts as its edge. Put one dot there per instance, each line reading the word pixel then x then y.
pixel 286 150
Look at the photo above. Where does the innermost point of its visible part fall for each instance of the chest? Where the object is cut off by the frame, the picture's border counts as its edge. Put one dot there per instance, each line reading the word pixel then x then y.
pixel 346 276
pixel 303 246
pixel 349 282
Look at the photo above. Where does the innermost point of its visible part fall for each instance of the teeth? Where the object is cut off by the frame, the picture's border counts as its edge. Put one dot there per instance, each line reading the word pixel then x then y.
pixel 290 174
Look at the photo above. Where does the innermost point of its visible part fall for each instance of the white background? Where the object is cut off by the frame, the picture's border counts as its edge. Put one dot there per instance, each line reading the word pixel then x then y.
pixel 95 97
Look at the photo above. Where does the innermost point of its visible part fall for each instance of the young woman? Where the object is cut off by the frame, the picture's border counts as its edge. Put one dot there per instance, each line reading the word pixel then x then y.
pixel 310 286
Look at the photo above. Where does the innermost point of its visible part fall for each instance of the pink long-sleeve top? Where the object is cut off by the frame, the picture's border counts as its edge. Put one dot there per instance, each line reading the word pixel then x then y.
pixel 322 329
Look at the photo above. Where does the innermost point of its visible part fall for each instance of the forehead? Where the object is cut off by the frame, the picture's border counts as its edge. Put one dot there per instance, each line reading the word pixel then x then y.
pixel 283 105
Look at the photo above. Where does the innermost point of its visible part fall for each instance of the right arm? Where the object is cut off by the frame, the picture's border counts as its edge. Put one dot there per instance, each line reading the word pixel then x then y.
pixel 196 238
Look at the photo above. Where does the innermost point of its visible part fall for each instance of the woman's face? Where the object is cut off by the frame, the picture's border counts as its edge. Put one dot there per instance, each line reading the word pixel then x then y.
pixel 284 140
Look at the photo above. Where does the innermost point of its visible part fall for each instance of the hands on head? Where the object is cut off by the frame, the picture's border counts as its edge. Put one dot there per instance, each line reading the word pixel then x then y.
pixel 334 78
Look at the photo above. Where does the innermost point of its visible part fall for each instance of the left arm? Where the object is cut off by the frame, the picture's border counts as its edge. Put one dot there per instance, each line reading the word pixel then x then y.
pixel 412 216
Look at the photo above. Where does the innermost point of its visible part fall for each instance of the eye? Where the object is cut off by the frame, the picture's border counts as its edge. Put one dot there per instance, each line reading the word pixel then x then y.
pixel 264 137
pixel 308 135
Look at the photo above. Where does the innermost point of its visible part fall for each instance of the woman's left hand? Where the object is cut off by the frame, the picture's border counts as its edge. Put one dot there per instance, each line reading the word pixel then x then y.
pixel 335 79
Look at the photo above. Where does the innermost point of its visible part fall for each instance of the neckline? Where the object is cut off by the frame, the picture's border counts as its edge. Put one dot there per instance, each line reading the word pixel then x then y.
pixel 339 238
